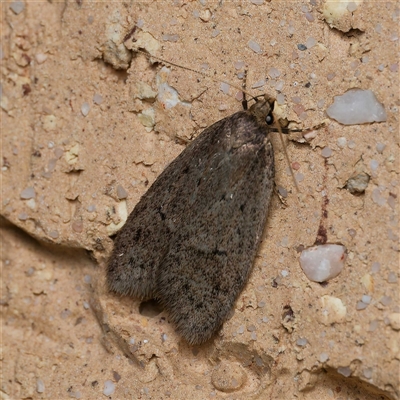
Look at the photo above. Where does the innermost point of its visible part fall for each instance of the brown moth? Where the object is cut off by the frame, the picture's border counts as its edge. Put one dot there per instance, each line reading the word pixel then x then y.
pixel 192 239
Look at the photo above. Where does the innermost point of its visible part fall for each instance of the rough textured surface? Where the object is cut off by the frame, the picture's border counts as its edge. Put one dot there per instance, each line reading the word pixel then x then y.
pixel 77 158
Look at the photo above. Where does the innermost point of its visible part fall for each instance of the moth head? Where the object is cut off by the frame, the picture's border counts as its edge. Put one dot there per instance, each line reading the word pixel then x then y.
pixel 262 110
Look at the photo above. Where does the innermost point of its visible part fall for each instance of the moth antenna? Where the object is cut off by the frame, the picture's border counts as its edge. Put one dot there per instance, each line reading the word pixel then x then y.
pixel 287 156
pixel 244 101
pixel 161 60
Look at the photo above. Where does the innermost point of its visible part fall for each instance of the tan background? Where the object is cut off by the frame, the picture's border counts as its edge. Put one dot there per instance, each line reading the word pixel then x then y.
pixel 69 180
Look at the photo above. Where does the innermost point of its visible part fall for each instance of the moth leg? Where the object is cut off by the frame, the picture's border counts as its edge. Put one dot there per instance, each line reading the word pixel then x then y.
pixel 244 84
pixel 287 131
pixel 244 101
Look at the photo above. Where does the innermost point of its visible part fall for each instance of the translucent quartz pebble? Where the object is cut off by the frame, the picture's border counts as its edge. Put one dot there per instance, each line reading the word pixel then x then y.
pixel 356 106
pixel 324 262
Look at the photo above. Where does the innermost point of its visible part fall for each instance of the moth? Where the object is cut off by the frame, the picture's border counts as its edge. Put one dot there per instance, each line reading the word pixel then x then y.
pixel 191 240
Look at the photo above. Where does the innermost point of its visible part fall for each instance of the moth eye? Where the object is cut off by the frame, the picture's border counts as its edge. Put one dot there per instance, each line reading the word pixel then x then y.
pixel 269 119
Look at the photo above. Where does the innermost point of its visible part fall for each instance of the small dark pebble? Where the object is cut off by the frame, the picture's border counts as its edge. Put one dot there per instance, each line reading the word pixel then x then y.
pixel 302 47
pixel 26 89
pixel 116 376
